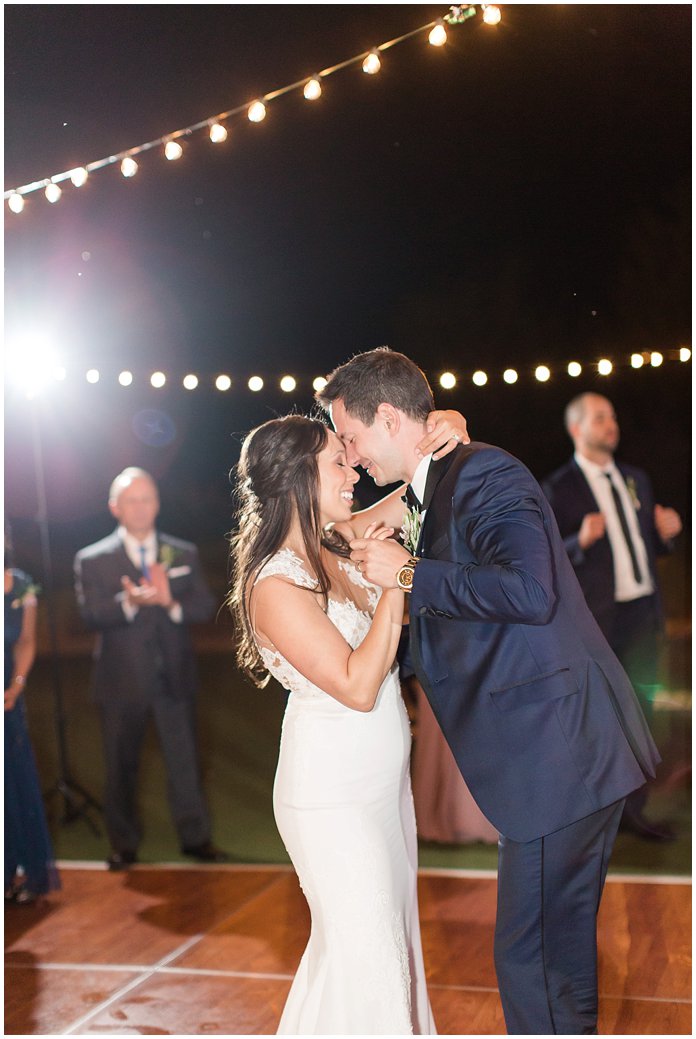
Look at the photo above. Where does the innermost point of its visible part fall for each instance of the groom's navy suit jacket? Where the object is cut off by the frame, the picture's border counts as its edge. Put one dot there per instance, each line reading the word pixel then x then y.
pixel 540 716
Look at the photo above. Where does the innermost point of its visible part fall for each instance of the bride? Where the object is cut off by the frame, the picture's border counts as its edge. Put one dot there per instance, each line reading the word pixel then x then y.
pixel 342 794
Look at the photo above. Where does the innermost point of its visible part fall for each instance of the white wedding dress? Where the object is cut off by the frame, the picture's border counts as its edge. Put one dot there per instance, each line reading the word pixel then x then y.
pixel 343 805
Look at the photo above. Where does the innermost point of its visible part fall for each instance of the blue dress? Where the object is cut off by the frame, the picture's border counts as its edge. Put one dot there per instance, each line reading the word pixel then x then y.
pixel 27 841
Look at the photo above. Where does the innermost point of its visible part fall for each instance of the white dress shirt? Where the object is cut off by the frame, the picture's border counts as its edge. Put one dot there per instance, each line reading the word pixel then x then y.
pixel 420 478
pixel 626 588
pixel 132 546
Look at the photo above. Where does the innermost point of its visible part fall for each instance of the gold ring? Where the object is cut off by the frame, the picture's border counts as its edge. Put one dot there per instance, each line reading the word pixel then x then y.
pixel 359 566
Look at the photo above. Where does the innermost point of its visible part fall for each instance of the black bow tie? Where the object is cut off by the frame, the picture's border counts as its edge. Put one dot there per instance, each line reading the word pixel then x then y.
pixel 412 499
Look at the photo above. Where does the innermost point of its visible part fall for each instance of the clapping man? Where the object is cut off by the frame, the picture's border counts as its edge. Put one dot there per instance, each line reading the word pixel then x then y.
pixel 140 590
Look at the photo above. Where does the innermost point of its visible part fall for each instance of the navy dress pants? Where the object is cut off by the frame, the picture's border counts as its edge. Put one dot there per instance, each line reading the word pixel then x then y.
pixel 546 929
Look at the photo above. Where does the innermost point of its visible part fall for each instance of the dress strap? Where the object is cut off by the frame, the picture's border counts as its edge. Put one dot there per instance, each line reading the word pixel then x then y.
pixel 286 563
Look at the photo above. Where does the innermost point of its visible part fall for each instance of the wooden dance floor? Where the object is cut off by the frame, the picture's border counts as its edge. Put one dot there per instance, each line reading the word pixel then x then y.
pixel 200 951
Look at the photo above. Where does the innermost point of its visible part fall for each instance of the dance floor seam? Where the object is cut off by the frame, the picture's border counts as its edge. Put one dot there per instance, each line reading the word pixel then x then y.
pixel 214 950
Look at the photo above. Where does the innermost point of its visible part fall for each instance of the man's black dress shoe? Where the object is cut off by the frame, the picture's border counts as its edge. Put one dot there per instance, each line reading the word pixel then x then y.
pixel 118 860
pixel 649 831
pixel 206 853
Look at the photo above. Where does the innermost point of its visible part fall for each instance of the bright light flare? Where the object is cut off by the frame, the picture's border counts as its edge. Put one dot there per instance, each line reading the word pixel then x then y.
pixel 32 363
pixel 92 376
pixel 448 381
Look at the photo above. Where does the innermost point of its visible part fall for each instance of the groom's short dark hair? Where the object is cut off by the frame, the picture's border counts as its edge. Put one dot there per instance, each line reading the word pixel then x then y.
pixel 376 377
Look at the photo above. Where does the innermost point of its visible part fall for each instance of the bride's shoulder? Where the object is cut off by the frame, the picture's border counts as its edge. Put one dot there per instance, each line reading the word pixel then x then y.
pixel 286 564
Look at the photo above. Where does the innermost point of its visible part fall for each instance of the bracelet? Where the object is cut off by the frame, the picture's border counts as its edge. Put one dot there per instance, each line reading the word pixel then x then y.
pixel 19 678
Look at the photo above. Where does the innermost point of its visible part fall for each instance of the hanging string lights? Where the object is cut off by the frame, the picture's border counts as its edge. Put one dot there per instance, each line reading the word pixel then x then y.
pixel 256 111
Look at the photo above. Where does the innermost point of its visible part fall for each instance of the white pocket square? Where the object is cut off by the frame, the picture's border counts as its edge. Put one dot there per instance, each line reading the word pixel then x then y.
pixel 178 571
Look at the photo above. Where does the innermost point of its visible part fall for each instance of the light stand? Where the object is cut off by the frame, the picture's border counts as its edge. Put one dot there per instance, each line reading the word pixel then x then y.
pixel 76 800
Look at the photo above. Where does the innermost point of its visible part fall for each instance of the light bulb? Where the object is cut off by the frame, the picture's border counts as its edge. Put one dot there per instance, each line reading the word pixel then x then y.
pixel 287 384
pixel 53 193
pixel 319 383
pixel 479 378
pixel 542 373
pixel 125 378
pixel 223 383
pixel 129 167
pixel 605 367
pixel 158 379
pixel 438 35
pixel 492 14
pixel 656 359
pixel 574 369
pixel 218 133
pixel 510 376
pixel 16 202
pixel 372 64
pixel 92 375
pixel 312 89
pixel 173 150
pixel 684 353
pixel 256 112
pixel 448 381
pixel 637 360
pixel 79 176
pixel 255 383
pixel 190 382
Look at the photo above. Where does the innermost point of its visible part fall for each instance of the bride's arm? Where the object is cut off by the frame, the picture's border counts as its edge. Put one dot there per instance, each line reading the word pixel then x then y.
pixel 443 427
pixel 292 620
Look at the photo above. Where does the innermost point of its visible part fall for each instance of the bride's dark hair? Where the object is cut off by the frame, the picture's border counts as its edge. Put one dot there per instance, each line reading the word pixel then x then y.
pixel 277 474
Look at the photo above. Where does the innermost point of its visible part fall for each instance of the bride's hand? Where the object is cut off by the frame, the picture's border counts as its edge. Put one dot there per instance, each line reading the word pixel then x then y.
pixel 446 430
pixel 378 532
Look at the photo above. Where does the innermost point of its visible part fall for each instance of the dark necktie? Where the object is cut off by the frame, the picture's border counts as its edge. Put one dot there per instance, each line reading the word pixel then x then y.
pixel 143 563
pixel 618 505
pixel 412 499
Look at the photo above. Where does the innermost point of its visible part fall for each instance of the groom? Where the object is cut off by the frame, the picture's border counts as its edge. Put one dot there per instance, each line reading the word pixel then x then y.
pixel 540 716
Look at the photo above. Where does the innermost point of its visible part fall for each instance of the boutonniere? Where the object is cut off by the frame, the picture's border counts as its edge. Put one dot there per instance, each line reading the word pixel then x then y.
pixel 27 596
pixel 633 491
pixel 410 531
pixel 168 555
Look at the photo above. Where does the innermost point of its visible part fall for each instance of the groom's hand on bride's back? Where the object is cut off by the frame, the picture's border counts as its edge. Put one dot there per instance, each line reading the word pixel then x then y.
pixel 446 429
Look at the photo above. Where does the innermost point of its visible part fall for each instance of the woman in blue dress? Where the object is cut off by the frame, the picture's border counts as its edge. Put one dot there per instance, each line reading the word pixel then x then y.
pixel 30 870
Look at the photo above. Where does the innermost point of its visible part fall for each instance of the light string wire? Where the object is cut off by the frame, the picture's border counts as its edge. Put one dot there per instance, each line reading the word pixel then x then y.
pixel 455 16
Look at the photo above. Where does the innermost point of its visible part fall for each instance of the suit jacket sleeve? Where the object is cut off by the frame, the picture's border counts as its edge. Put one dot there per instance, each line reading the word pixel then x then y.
pixel 98 593
pixel 498 517
pixel 568 518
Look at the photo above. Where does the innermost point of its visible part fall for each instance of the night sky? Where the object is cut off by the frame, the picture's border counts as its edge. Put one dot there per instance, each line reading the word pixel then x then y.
pixel 520 196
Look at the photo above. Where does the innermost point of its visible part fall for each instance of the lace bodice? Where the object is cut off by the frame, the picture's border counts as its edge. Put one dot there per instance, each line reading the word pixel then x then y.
pixel 352 622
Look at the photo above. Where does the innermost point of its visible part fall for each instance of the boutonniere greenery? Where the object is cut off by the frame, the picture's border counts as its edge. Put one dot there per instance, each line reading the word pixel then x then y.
pixel 168 555
pixel 26 597
pixel 410 531
pixel 633 491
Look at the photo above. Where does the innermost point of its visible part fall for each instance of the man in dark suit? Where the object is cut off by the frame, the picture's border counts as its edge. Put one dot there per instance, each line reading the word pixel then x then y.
pixel 540 716
pixel 140 590
pixel 613 531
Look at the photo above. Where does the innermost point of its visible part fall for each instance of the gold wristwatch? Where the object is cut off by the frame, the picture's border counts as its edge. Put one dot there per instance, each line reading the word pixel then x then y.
pixel 404 576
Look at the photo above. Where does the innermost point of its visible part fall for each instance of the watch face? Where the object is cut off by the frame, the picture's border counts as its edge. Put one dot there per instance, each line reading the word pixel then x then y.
pixel 404 578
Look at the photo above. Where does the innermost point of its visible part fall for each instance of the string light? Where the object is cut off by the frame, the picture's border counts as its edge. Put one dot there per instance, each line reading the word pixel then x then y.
pixel 287 384
pixel 574 369
pixel 255 383
pixel 92 376
pixel 372 64
pixel 16 202
pixel 173 150
pixel 79 176
pixel 312 89
pixel 190 382
pixel 605 367
pixel 656 358
pixel 684 353
pixel 448 381
pixel 479 378
pixel 542 373
pixel 129 167
pixel 491 14
pixel 319 383
pixel 53 192
pixel 218 133
pixel 510 376
pixel 438 35
pixel 256 112
pixel 158 379
pixel 637 360
pixel 223 383
pixel 125 378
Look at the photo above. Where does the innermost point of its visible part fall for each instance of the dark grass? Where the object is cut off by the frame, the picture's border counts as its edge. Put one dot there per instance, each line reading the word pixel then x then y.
pixel 239 730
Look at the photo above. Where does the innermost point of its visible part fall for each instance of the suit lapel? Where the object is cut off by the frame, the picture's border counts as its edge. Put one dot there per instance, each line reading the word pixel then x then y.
pixel 436 472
